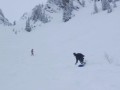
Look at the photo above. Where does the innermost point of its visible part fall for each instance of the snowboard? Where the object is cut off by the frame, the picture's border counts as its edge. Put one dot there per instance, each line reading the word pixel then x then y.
pixel 82 65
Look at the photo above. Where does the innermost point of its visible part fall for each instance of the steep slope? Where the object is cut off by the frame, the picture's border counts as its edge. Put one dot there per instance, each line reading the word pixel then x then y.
pixel 52 67
pixel 42 14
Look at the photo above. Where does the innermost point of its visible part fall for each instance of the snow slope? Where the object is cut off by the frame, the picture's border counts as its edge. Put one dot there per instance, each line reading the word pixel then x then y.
pixel 52 67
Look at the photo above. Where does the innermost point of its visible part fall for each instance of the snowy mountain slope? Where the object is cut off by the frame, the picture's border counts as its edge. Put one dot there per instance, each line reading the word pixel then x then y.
pixel 52 67
pixel 44 13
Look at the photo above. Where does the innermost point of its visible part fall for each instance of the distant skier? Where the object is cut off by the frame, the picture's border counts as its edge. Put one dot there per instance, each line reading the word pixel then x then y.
pixel 32 52
pixel 79 57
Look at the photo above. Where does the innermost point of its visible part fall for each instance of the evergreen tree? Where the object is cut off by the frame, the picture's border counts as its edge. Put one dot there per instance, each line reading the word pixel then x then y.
pixel 81 3
pixel 28 27
pixel 95 7
pixel 4 20
pixel 66 6
pixel 106 5
pixel 114 3
pixel 67 9
pixel 1 13
pixel 56 2
pixel 39 14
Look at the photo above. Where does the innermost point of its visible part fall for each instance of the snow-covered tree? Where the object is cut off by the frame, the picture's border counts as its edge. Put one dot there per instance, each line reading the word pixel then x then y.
pixel 1 13
pixel 114 3
pixel 95 7
pixel 28 27
pixel 82 3
pixel 56 2
pixel 66 6
pixel 67 9
pixel 4 20
pixel 106 5
pixel 38 14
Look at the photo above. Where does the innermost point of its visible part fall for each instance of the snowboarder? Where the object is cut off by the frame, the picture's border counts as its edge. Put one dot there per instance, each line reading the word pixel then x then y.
pixel 32 52
pixel 79 57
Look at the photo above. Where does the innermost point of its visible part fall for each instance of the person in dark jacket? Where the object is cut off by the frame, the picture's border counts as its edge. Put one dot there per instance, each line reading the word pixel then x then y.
pixel 79 57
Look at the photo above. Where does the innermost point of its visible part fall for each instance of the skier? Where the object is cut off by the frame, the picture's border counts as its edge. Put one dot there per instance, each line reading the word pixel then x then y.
pixel 32 52
pixel 79 57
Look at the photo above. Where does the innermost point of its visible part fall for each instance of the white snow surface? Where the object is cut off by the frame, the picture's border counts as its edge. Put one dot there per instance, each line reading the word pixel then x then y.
pixel 52 67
